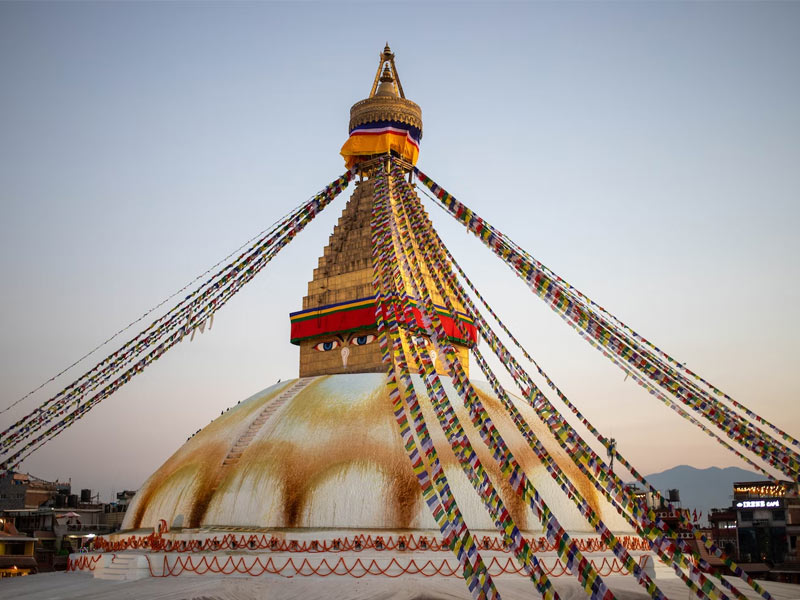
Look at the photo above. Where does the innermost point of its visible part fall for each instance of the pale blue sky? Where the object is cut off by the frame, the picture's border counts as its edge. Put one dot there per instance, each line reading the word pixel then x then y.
pixel 647 152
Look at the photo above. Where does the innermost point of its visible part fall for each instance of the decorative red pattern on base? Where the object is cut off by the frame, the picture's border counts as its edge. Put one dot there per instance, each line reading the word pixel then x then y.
pixel 355 567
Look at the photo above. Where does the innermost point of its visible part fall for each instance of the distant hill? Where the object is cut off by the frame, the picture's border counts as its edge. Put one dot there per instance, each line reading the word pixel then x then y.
pixel 702 489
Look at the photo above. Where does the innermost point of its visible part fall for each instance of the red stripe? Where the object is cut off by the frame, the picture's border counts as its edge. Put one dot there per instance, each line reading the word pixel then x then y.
pixel 363 318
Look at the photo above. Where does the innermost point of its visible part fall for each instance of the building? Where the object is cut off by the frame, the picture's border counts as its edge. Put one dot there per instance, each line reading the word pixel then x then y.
pixel 768 524
pixel 760 529
pixel 114 512
pixel 23 490
pixel 16 551
pixel 762 520
pixel 57 521
pixel 723 530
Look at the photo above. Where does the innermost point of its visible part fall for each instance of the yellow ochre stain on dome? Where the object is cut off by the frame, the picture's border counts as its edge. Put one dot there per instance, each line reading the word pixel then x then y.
pixel 335 435
pixel 301 470
pixel 527 457
pixel 205 455
pixel 206 450
pixel 315 435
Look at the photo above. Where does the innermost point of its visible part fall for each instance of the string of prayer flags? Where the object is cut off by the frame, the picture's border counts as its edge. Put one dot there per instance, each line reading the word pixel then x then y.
pixel 429 243
pixel 69 405
pixel 561 298
pixel 512 374
pixel 449 520
pixel 589 579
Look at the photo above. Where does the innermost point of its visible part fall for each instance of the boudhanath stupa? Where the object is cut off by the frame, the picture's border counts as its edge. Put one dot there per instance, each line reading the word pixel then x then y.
pixel 396 465
pixel 319 458
pixel 323 451
pixel 318 462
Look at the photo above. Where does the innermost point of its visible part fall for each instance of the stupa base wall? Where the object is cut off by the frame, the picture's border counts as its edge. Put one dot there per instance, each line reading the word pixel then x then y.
pixel 326 553
pixel 83 586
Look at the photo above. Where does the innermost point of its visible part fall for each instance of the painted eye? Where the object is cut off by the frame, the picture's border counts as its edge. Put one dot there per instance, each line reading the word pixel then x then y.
pixel 362 340
pixel 325 346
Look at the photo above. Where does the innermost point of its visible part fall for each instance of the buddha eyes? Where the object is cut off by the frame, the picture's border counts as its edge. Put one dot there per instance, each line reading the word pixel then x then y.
pixel 356 340
pixel 325 346
pixel 362 340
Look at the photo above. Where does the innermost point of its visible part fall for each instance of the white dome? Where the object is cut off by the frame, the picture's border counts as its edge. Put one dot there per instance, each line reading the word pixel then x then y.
pixel 325 452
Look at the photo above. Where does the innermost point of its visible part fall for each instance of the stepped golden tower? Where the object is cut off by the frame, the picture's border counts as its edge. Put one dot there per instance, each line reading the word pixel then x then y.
pixel 336 328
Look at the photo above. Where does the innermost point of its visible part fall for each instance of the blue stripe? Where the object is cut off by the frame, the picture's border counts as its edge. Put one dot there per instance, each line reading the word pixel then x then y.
pixel 414 131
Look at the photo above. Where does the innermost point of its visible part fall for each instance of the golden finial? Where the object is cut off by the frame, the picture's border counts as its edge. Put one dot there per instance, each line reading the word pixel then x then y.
pixel 386 61
pixel 386 88
pixel 386 100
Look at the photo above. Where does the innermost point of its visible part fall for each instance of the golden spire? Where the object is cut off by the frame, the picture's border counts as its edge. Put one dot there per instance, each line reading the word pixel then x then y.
pixel 386 63
pixel 386 100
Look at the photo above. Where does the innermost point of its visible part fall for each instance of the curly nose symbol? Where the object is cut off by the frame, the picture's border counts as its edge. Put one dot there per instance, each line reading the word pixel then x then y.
pixel 345 354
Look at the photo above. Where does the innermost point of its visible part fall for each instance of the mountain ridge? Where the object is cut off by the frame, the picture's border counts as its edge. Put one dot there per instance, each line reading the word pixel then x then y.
pixel 702 489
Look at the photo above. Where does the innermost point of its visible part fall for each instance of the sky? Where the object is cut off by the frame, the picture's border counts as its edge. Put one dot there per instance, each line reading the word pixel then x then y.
pixel 646 152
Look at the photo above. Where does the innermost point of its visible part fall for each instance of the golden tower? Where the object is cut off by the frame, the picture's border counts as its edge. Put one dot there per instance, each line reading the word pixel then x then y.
pixel 336 328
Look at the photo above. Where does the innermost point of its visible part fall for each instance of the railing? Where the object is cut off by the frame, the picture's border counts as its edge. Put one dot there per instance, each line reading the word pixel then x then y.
pixel 89 528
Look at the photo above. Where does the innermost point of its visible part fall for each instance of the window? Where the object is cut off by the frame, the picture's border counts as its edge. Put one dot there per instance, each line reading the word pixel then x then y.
pixel 778 515
pixel 15 548
pixel 746 515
